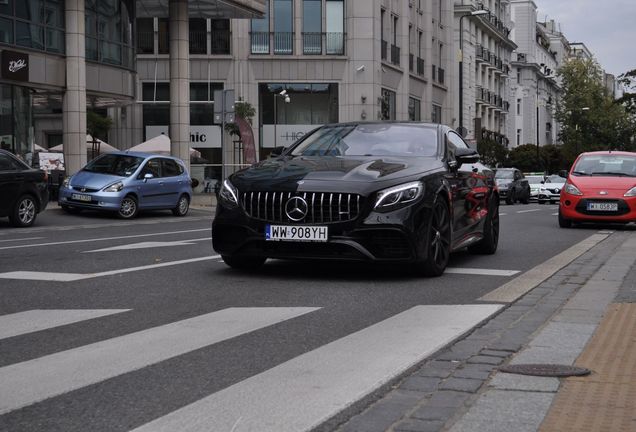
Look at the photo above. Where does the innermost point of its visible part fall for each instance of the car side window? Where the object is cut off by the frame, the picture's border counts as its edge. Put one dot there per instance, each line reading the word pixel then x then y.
pixel 7 164
pixel 170 168
pixel 457 141
pixel 153 166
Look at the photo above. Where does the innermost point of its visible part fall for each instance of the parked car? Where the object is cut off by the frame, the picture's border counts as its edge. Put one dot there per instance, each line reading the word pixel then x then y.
pixel 601 187
pixel 127 182
pixel 513 186
pixel 23 190
pixel 537 189
pixel 389 192
pixel 554 184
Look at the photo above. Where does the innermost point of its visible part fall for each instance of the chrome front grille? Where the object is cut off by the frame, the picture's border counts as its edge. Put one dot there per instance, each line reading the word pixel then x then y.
pixel 322 207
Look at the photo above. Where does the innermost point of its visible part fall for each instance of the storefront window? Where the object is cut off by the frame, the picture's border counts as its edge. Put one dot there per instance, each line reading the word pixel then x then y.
pixel 16 120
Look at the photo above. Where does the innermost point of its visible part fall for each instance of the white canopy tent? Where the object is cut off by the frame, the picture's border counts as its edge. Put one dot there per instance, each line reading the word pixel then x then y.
pixel 103 147
pixel 159 144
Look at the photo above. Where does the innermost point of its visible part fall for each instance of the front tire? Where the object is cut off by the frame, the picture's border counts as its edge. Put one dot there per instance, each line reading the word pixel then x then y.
pixel 563 222
pixel 510 199
pixel 183 205
pixel 128 208
pixel 488 245
pixel 243 262
pixel 438 238
pixel 24 212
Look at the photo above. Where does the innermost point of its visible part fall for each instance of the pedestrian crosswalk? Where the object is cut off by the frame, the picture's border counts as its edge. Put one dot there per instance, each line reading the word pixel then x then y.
pixel 295 395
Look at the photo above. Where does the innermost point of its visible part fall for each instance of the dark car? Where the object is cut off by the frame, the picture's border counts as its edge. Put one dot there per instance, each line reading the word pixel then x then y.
pixel 513 186
pixel 388 192
pixel 23 190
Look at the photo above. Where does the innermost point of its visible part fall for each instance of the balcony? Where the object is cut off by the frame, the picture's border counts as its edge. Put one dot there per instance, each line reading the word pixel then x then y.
pixel 198 42
pixel 420 66
pixel 395 55
pixel 411 62
pixel 384 50
pixel 335 43
pixel 440 75
pixel 312 43
pixel 283 43
pixel 145 42
pixel 260 42
pixel 433 72
pixel 221 42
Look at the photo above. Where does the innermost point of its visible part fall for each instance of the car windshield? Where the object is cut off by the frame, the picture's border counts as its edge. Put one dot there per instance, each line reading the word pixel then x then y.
pixel 556 179
pixel 114 164
pixel 384 139
pixel 606 165
pixel 535 179
pixel 504 174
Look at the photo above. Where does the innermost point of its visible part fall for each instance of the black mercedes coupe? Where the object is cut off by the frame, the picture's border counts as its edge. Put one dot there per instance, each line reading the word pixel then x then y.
pixel 388 192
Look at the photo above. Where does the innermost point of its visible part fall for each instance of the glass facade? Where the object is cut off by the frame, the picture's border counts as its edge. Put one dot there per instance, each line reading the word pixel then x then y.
pixel 109 31
pixel 216 36
pixel 16 120
pixel 35 24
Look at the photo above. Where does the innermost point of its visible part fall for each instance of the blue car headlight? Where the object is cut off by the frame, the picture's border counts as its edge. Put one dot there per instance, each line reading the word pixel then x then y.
pixel 115 187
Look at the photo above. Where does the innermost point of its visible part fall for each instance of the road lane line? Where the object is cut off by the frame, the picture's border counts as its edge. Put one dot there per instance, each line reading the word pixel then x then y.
pixel 523 283
pixel 555 214
pixel 21 239
pixel 529 211
pixel 103 239
pixel 42 319
pixel 71 277
pixel 503 214
pixel 481 272
pixel 52 375
pixel 149 245
pixel 304 392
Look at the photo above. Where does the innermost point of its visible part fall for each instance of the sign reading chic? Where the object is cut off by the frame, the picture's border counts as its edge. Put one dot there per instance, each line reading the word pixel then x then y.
pixel 15 65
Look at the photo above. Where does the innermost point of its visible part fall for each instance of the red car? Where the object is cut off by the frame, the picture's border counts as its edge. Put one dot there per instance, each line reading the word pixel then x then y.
pixel 601 187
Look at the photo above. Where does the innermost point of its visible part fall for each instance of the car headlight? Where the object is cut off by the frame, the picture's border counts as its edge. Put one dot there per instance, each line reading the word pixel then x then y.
pixel 572 190
pixel 631 192
pixel 228 193
pixel 67 182
pixel 398 196
pixel 115 187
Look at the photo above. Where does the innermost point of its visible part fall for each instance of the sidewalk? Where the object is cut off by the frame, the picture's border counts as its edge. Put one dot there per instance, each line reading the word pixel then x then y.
pixel 583 315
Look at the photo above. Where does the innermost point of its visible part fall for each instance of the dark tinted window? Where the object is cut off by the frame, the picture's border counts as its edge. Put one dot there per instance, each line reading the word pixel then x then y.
pixel 120 165
pixel 7 163
pixel 171 168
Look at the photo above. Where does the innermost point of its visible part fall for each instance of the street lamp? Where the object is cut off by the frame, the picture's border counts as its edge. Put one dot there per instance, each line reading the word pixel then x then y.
pixel 283 94
pixel 461 62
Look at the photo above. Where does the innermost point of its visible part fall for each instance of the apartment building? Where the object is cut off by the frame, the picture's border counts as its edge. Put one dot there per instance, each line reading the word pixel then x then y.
pixel 486 56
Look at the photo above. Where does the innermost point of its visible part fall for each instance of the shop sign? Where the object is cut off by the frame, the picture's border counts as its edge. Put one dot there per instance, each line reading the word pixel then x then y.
pixel 15 65
pixel 200 136
pixel 287 134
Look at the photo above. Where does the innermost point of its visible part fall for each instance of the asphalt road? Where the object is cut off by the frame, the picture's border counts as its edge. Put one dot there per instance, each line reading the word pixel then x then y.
pixel 173 327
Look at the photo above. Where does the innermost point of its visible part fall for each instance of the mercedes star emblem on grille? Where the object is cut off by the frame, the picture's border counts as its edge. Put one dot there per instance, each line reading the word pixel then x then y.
pixel 296 208
pixel 602 193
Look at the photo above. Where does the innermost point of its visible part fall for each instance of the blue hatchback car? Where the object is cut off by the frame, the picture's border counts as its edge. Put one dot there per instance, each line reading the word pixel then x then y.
pixel 126 183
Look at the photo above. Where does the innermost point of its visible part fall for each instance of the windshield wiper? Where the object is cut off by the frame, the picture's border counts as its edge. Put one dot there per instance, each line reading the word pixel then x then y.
pixel 612 173
pixel 581 173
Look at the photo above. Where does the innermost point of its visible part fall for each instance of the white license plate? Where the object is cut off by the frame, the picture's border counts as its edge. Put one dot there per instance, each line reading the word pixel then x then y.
pixel 80 197
pixel 602 206
pixel 296 233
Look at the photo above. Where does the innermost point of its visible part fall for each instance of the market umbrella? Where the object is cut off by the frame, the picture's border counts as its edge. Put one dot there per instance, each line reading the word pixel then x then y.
pixel 103 147
pixel 159 144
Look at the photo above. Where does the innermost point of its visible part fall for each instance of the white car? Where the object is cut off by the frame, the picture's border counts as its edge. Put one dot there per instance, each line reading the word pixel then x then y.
pixel 536 183
pixel 552 188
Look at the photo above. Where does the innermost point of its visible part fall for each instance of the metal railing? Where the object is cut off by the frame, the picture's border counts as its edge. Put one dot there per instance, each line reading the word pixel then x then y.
pixel 283 43
pixel 395 55
pixel 411 62
pixel 384 49
pixel 440 75
pixel 220 42
pixel 145 42
pixel 259 42
pixel 198 42
pixel 420 66
pixel 335 43
pixel 434 72
pixel 312 43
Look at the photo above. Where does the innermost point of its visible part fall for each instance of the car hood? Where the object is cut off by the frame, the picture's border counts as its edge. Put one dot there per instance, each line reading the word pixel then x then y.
pixel 503 181
pixel 93 180
pixel 597 183
pixel 288 173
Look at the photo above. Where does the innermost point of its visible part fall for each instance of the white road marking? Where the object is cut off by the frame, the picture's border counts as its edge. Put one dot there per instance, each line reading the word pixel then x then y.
pixel 52 375
pixel 104 239
pixel 481 272
pixel 300 394
pixel 555 214
pixel 148 245
pixel 503 214
pixel 70 277
pixel 523 283
pixel 21 239
pixel 529 211
pixel 41 319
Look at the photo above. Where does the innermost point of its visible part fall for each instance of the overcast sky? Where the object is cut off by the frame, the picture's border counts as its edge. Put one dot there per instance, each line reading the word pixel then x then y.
pixel 607 27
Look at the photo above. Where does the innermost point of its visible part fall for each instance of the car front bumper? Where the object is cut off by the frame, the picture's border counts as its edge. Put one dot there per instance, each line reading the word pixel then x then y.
pixel 110 201
pixel 575 208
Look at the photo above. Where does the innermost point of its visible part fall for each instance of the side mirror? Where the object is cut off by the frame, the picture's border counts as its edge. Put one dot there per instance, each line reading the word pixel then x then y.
pixel 147 177
pixel 277 151
pixel 563 173
pixel 466 156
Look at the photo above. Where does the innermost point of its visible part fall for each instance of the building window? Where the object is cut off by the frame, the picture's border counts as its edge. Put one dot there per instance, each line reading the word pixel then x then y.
pixel 221 36
pixel 109 37
pixel 518 137
pixel 387 106
pixel 202 102
pixel 312 27
pixel 283 27
pixel 436 115
pixel 383 41
pixel 415 109
pixel 145 36
pixel 335 27
pixel 260 33
pixel 518 106
pixel 518 76
pixel 36 24
pixel 198 36
pixel 163 35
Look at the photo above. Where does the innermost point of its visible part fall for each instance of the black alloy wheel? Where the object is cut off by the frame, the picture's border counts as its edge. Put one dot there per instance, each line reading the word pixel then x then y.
pixel 563 222
pixel 510 199
pixel 24 212
pixel 488 244
pixel 438 237
pixel 244 262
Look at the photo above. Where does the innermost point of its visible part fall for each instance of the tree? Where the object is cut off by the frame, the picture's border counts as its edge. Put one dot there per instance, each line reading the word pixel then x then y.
pixel 244 110
pixel 552 159
pixel 590 119
pixel 524 157
pixel 97 125
pixel 492 153
pixel 628 80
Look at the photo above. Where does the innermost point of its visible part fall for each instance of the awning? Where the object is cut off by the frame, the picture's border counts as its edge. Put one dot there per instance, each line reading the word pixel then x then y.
pixel 205 8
